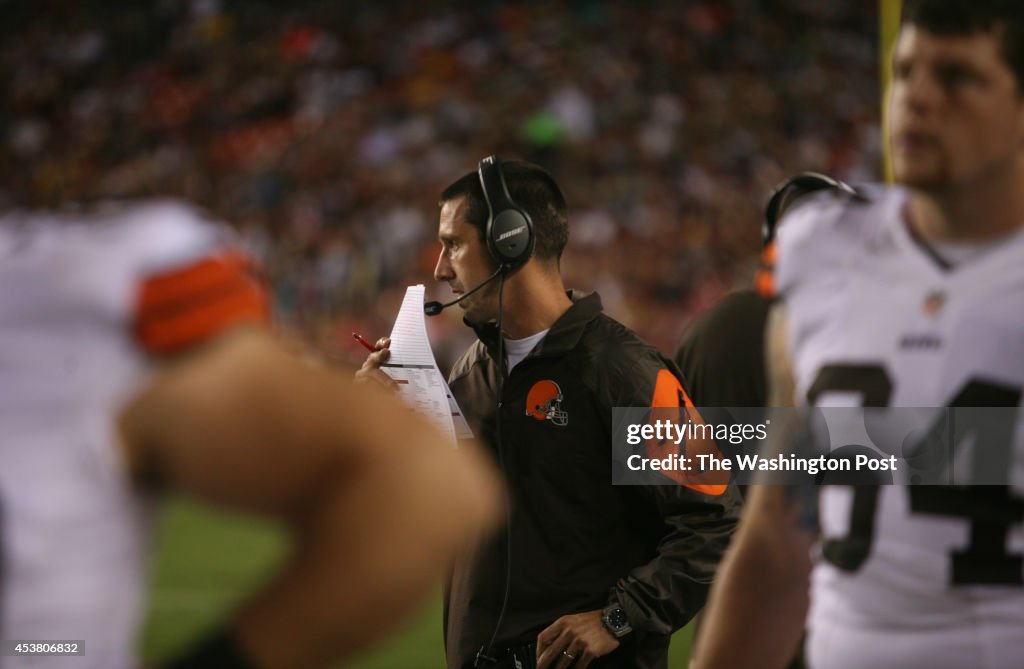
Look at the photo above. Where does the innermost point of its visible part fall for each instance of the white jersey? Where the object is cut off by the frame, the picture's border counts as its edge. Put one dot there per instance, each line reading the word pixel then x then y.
pixel 876 319
pixel 80 320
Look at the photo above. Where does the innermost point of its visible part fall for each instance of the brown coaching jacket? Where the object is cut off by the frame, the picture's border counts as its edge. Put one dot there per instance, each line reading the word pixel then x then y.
pixel 578 542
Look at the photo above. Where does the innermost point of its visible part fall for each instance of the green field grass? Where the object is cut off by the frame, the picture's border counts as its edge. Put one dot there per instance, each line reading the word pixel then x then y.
pixel 206 561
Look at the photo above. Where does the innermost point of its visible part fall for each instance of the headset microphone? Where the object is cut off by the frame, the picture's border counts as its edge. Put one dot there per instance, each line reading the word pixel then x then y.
pixel 434 308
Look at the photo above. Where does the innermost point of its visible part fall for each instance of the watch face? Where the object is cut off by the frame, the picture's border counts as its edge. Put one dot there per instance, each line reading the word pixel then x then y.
pixel 617 618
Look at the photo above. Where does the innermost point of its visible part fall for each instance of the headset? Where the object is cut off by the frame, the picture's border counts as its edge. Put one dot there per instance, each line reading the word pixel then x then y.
pixel 510 241
pixel 508 233
pixel 793 189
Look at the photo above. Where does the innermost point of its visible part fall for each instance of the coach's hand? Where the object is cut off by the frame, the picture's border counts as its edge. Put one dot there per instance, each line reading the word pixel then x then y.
pixel 581 637
pixel 370 371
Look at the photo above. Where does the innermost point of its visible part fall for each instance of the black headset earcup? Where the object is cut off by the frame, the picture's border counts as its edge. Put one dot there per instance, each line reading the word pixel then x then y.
pixel 509 232
pixel 793 189
pixel 509 238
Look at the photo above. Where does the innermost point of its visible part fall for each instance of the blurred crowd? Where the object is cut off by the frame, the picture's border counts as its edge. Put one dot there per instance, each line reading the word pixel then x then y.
pixel 325 131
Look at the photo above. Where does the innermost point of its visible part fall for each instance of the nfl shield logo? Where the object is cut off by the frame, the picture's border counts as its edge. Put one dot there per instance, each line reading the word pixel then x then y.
pixel 933 303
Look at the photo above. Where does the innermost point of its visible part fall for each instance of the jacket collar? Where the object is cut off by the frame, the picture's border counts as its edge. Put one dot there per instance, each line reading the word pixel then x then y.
pixel 564 333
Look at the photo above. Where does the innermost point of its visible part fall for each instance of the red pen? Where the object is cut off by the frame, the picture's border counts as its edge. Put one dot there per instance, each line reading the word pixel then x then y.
pixel 362 340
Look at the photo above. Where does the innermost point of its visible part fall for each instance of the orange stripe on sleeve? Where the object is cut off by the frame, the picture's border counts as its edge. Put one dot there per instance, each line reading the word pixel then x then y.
pixel 671 402
pixel 180 309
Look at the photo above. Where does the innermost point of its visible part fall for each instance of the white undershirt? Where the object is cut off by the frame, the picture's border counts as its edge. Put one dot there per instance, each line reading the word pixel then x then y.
pixel 517 349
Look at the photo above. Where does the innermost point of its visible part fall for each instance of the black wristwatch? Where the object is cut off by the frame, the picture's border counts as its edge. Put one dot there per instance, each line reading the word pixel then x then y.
pixel 615 620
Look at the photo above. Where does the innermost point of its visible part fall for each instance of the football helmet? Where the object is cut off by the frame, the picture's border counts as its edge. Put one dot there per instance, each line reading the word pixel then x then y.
pixel 544 402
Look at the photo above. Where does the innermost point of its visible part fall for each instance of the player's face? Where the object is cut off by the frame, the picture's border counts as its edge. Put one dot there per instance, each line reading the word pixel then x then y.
pixel 956 113
pixel 464 261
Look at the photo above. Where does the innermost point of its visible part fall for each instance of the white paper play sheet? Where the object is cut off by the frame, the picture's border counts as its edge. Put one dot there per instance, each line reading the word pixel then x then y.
pixel 413 366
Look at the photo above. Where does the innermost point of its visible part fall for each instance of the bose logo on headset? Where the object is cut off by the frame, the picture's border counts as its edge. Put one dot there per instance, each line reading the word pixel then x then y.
pixel 506 235
pixel 509 232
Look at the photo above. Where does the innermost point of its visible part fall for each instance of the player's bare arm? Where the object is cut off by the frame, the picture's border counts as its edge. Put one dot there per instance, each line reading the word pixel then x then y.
pixel 375 499
pixel 767 567
pixel 779 368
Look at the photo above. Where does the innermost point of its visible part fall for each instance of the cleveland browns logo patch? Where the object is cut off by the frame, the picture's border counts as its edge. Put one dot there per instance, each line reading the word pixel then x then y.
pixel 544 402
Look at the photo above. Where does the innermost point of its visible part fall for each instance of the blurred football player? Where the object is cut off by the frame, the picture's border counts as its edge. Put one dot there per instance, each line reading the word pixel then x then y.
pixel 134 360
pixel 905 297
